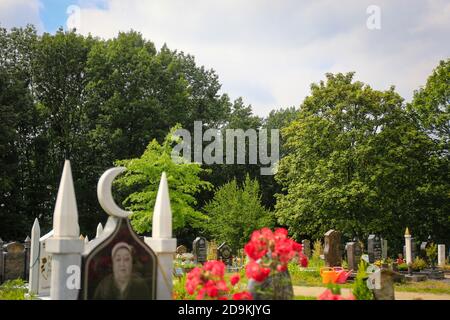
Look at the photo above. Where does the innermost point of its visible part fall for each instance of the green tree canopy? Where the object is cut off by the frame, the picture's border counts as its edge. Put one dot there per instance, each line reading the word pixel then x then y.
pixel 235 212
pixel 431 104
pixel 141 182
pixel 356 163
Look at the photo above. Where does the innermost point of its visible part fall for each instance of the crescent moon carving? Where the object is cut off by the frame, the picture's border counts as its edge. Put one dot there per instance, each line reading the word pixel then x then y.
pixel 104 193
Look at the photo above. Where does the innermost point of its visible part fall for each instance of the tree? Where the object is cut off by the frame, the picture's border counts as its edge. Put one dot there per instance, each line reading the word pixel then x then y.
pixel 92 101
pixel 141 182
pixel 235 212
pixel 277 119
pixel 431 108
pixel 356 162
pixel 431 104
pixel 16 108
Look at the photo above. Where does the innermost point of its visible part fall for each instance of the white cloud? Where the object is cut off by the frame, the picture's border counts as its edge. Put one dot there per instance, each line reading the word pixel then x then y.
pixel 19 13
pixel 270 52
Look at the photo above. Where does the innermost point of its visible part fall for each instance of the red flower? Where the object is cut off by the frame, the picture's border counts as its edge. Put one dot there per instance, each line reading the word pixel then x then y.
pixel 281 268
pixel 222 286
pixel 211 290
pixel 254 271
pixel 217 268
pixel 280 233
pixel 303 260
pixel 235 279
pixel 244 295
pixel 208 282
pixel 255 250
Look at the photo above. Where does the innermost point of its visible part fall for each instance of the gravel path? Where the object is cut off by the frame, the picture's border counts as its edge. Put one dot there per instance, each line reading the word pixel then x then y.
pixel 399 295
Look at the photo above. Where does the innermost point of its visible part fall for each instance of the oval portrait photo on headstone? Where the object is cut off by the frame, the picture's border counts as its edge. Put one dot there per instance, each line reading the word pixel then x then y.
pixel 122 267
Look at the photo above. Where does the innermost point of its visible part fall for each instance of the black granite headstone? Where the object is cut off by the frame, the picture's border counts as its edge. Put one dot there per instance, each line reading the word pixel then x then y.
pixel 374 248
pixel 224 254
pixel 200 250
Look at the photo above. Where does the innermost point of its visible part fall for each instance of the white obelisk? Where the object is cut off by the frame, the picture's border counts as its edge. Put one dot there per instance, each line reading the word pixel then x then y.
pixel 65 245
pixel 162 242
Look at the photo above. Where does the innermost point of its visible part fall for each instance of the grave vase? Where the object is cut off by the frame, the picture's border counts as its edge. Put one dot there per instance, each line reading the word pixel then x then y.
pixel 277 286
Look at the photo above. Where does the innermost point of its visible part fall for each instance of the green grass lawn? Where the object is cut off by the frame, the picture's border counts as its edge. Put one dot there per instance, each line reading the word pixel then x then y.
pixel 304 298
pixel 429 286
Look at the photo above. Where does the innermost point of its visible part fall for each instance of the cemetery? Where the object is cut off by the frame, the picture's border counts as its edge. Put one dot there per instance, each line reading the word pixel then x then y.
pixel 63 264
pixel 132 171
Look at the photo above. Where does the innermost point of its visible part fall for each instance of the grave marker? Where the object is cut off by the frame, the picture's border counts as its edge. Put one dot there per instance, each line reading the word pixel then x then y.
pixel 200 249
pixel 374 248
pixel 354 253
pixel 224 254
pixel 306 247
pixel 332 252
pixel 14 261
pixel 181 249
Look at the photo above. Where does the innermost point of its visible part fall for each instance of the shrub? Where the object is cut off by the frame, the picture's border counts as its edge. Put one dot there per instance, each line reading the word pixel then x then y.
pixel 317 250
pixel 179 289
pixel 14 290
pixel 360 289
pixel 419 264
pixel 402 267
pixel 432 253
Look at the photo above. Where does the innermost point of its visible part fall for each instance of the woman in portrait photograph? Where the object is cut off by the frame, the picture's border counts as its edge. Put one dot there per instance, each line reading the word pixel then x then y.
pixel 122 284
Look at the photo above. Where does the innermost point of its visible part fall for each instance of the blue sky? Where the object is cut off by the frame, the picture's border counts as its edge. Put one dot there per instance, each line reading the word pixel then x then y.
pixel 53 13
pixel 269 52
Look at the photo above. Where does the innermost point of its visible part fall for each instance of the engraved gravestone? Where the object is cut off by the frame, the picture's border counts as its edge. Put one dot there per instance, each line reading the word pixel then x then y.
pixel 306 246
pixel 423 249
pixel 384 249
pixel 374 248
pixel 413 249
pixel 332 249
pixel 181 249
pixel 224 254
pixel 200 250
pixel 27 245
pixel 14 261
pixel 353 255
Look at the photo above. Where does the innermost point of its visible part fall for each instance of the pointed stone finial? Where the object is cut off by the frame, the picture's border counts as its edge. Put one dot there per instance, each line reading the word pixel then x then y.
pixel 65 217
pixel 407 232
pixel 162 214
pixel 81 237
pixel 35 231
pixel 27 239
pixel 99 230
pixel 86 240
